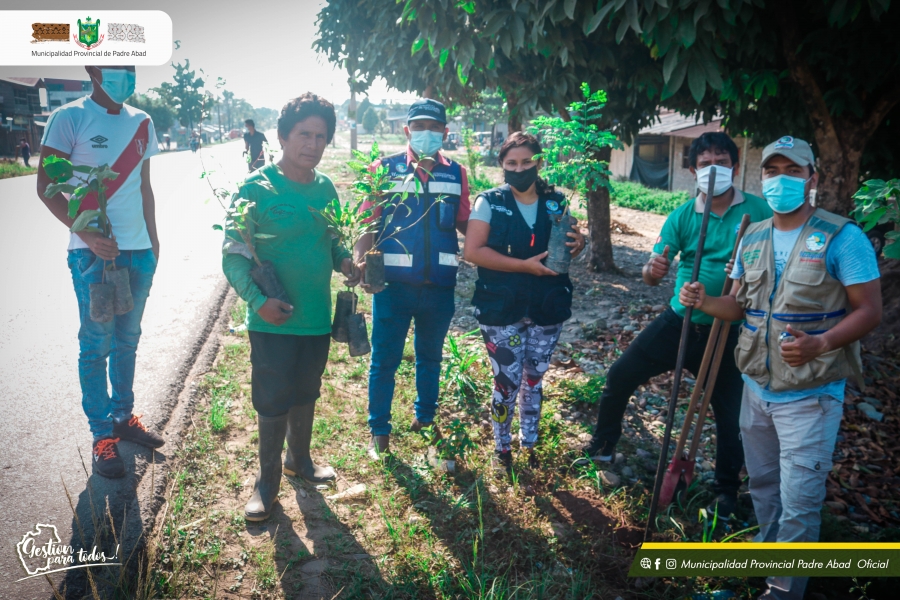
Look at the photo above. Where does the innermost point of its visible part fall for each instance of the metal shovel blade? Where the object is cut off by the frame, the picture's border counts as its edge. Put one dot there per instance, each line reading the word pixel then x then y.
pixel 680 469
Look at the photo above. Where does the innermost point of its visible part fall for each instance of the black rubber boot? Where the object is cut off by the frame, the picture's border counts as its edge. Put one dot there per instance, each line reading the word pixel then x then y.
pixel 268 479
pixel 297 461
pixel 379 447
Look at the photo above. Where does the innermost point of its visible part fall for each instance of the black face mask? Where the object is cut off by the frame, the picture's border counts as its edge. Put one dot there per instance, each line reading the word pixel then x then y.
pixel 521 180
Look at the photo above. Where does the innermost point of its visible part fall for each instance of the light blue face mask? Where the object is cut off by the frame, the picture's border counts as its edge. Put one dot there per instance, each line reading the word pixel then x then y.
pixel 118 84
pixel 426 143
pixel 784 193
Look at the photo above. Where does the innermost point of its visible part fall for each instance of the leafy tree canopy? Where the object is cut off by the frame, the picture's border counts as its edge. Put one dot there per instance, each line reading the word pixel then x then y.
pixel 162 114
pixel 827 70
pixel 371 119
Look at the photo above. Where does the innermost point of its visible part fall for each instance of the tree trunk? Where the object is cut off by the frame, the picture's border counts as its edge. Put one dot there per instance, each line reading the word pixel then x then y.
pixel 599 225
pixel 598 218
pixel 512 107
pixel 429 92
pixel 838 167
pixel 351 115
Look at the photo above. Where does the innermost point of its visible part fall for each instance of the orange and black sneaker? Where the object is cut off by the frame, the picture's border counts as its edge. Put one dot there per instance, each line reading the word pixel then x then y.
pixel 132 430
pixel 106 460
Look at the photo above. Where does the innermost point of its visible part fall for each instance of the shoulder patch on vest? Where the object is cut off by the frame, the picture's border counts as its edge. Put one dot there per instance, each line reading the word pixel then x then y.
pixel 401 168
pixel 552 206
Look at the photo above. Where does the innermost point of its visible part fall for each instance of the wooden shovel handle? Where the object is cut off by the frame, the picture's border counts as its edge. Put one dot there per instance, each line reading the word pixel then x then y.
pixel 708 388
pixel 698 388
pixel 719 329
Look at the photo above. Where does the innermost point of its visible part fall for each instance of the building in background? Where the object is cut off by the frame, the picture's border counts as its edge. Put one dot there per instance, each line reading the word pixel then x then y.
pixel 63 91
pixel 658 157
pixel 20 103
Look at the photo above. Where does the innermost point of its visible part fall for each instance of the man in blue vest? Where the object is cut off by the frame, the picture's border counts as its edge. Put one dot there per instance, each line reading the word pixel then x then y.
pixel 421 259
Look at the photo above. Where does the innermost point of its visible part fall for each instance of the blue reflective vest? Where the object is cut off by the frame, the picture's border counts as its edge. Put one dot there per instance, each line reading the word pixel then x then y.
pixel 418 234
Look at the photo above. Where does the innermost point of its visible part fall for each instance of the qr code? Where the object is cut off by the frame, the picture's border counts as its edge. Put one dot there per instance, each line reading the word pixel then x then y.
pixel 125 32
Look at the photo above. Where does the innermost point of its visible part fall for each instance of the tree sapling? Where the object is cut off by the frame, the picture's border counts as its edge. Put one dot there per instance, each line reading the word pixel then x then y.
pixel 112 296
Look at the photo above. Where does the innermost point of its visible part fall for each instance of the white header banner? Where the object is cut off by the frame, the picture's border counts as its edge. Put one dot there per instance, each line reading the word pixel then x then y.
pixel 85 37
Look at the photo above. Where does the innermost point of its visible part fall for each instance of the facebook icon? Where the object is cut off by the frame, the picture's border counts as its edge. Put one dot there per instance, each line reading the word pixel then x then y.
pixel 656 564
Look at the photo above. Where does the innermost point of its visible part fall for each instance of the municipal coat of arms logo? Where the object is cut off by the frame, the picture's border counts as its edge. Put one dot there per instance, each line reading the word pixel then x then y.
pixel 785 142
pixel 815 241
pixel 88 35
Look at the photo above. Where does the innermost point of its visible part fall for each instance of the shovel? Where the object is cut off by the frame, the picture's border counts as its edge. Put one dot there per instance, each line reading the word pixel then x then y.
pixel 679 363
pixel 681 470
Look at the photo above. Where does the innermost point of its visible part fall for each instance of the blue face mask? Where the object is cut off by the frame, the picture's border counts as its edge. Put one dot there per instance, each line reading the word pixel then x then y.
pixel 426 143
pixel 784 193
pixel 118 84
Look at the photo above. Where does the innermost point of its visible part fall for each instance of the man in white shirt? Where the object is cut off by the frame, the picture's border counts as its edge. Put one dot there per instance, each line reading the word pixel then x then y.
pixel 92 131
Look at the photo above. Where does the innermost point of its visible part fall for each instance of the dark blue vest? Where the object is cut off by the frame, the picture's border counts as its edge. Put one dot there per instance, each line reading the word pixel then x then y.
pixel 503 298
pixel 419 233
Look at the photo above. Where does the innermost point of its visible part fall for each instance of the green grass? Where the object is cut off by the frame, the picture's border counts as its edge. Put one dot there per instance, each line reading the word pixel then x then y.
pixel 583 391
pixel 8 170
pixel 634 195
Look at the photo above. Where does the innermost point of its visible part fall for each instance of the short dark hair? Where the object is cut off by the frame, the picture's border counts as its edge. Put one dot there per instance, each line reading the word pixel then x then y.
pixel 305 106
pixel 250 123
pixel 716 141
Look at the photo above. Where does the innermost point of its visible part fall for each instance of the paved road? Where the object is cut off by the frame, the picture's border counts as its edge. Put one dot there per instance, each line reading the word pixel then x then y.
pixel 42 426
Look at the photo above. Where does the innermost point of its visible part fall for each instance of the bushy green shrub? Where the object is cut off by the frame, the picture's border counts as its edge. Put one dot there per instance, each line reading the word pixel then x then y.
pixel 629 194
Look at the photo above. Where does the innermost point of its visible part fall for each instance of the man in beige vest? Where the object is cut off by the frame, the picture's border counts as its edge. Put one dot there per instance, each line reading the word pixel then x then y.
pixel 808 287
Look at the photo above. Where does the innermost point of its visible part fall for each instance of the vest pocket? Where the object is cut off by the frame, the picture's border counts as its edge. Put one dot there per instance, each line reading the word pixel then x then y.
pixel 801 288
pixel 447 211
pixel 821 368
pixel 493 304
pixel 555 307
pixel 752 281
pixel 748 357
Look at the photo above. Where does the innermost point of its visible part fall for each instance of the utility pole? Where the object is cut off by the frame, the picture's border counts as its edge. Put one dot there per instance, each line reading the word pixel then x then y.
pixel 219 113
pixel 351 110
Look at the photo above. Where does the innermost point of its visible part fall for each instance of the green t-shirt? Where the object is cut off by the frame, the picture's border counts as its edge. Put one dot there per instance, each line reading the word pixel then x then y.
pixel 681 232
pixel 303 251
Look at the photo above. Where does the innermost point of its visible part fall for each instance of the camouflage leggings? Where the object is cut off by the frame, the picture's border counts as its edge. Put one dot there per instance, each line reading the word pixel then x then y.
pixel 514 350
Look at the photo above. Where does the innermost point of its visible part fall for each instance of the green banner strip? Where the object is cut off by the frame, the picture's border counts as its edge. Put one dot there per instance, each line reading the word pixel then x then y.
pixel 747 561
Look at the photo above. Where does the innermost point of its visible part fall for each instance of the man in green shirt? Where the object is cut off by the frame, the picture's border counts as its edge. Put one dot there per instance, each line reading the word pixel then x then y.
pixel 654 351
pixel 289 341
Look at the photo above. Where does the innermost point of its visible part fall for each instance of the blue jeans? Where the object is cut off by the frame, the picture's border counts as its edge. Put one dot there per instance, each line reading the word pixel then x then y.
pixel 116 340
pixel 431 307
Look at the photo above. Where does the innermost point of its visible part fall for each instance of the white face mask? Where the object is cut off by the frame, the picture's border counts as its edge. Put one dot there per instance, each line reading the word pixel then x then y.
pixel 723 179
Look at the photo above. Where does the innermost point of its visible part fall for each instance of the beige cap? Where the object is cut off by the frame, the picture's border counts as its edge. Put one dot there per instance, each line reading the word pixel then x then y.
pixel 791 148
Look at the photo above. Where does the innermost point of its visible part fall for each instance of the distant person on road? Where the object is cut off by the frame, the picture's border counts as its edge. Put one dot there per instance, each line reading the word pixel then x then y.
pixel 655 349
pixel 25 149
pixel 520 303
pixel 168 142
pixel 421 261
pixel 808 285
pixel 289 342
pixel 92 131
pixel 253 146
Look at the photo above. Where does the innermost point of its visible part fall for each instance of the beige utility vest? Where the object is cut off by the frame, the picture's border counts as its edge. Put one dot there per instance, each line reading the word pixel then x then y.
pixel 807 298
